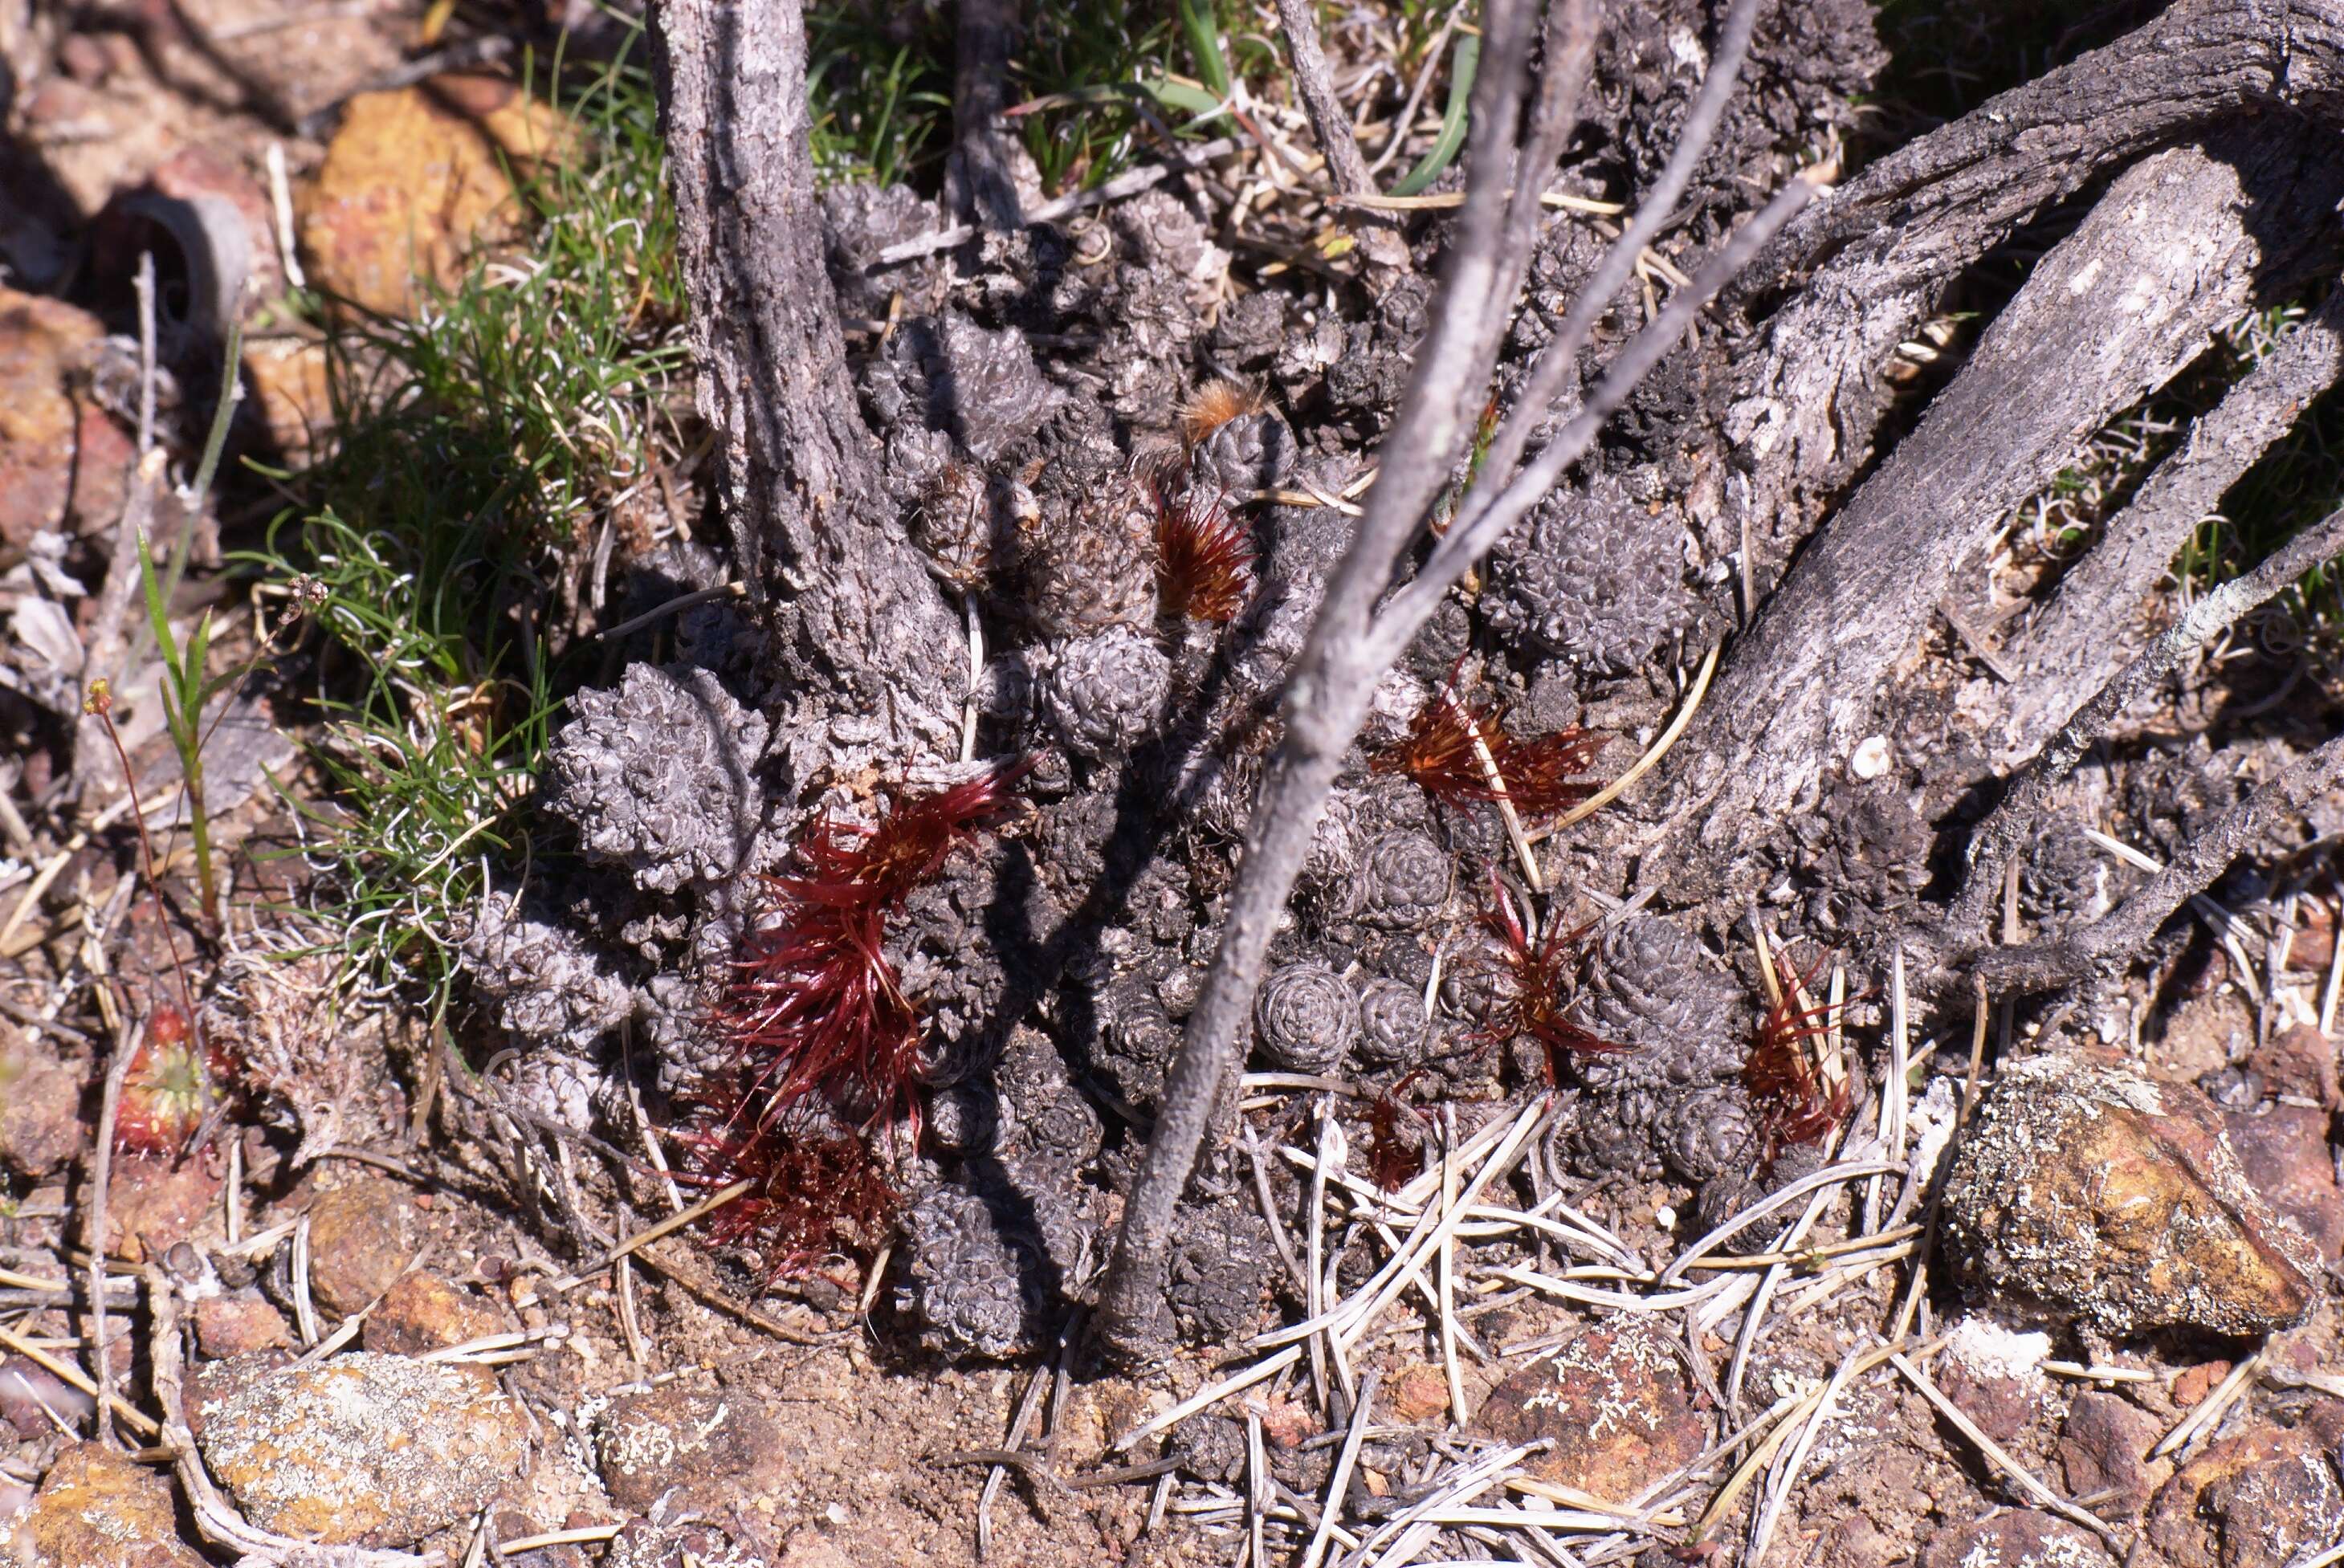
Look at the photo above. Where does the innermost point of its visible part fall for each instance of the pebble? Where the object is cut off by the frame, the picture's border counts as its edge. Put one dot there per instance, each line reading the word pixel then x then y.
pixel 362 1236
pixel 2023 1538
pixel 40 1097
pixel 2103 1446
pixel 364 1448
pixel 240 1326
pixel 2285 1152
pixel 1613 1401
pixel 424 1312
pixel 2263 1498
pixel 61 461
pixel 673 1436
pixel 2104 1197
pixel 2300 1061
pixel 97 1509
pixel 153 1203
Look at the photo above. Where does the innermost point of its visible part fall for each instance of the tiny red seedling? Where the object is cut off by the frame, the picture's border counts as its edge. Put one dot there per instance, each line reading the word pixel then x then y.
pixel 1442 752
pixel 1793 1103
pixel 1205 558
pixel 1537 978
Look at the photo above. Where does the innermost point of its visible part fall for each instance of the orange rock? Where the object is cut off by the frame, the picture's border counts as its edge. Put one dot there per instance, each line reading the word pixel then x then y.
pixel 425 1312
pixel 2100 1195
pixel 289 376
pixel 1419 1393
pixel 240 1326
pixel 155 1203
pixel 415 184
pixel 63 462
pixel 2264 1499
pixel 99 1510
pixel 40 1104
pixel 1611 1400
pixel 362 1236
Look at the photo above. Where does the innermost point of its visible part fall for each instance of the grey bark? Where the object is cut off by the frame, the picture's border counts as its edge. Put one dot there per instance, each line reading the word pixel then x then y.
pixel 2106 943
pixel 977 182
pixel 865 639
pixel 2093 625
pixel 1328 122
pixel 2172 251
pixel 2022 805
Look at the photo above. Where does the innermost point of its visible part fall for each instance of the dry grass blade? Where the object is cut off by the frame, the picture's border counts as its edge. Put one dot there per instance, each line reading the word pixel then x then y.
pixel 1848 1170
pixel 2210 1410
pixel 1340 1479
pixel 1770 1514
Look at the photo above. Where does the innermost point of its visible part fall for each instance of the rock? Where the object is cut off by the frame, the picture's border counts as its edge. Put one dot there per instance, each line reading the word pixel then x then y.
pixel 411 187
pixel 2024 1538
pixel 2103 1446
pixel 63 462
pixel 2259 1499
pixel 361 1237
pixel 2301 1061
pixel 153 1205
pixel 2192 1384
pixel 424 1312
pixel 2101 1196
pixel 1615 1404
pixel 239 1326
pixel 291 379
pixel 2284 1151
pixel 642 1544
pixel 675 1436
pixel 40 1095
pixel 364 1448
pixel 1994 1376
pixel 100 1510
pixel 1418 1393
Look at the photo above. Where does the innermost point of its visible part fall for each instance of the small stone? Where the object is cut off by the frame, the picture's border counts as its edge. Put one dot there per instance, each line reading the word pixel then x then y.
pixel 364 1448
pixel 2101 1196
pixel 63 463
pixel 2300 1061
pixel 1612 1400
pixel 362 1236
pixel 411 189
pixel 2192 1384
pixel 40 1103
pixel 2262 1499
pixel 1418 1393
pixel 240 1326
pixel 99 1510
pixel 154 1204
pixel 2285 1152
pixel 644 1544
pixel 2024 1538
pixel 1994 1376
pixel 2104 1447
pixel 675 1436
pixel 425 1312
pixel 1871 758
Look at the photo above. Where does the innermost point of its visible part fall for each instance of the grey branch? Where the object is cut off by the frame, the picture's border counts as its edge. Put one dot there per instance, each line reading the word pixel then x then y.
pixel 977 179
pixel 1328 122
pixel 2115 938
pixel 2024 802
pixel 2086 632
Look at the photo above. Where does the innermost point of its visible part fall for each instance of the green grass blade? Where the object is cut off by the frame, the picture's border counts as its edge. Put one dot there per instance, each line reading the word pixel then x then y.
pixel 1462 61
pixel 157 611
pixel 1204 33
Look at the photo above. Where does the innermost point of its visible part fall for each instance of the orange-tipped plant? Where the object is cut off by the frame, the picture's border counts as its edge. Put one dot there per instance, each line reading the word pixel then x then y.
pixel 1205 557
pixel 1536 974
pixel 173 1082
pixel 1214 405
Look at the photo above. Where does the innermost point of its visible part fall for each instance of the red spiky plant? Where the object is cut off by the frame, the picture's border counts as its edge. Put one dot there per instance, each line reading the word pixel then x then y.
pixel 1787 1090
pixel 825 1045
pixel 1441 752
pixel 1205 556
pixel 1538 979
pixel 1394 1159
pixel 173 1083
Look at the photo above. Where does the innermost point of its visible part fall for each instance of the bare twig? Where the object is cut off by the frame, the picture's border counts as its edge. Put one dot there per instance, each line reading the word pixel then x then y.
pixel 1328 122
pixel 2024 802
pixel 101 1180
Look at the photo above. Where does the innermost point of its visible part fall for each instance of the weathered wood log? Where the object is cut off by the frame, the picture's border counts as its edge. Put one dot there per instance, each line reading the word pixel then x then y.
pixel 2175 250
pixel 865 638
pixel 2094 621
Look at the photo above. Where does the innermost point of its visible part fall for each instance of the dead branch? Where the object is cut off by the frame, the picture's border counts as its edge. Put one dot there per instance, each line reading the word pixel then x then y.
pixel 977 177
pixel 2101 321
pixel 1325 698
pixel 2085 634
pixel 1328 122
pixel 2026 801
pixel 2108 941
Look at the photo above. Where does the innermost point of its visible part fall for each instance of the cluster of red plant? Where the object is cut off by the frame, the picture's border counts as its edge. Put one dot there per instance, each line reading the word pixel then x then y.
pixel 173 1083
pixel 1394 1159
pixel 1536 972
pixel 1205 557
pixel 1786 1088
pixel 1442 751
pixel 825 1046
